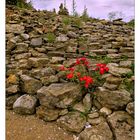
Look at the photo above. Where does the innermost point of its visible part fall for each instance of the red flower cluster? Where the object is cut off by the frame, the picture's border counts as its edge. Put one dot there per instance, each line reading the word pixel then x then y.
pixel 82 60
pixel 102 68
pixel 87 79
pixel 74 74
pixel 70 76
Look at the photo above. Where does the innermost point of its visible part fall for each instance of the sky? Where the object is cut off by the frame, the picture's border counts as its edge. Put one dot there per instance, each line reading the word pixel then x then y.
pixel 96 8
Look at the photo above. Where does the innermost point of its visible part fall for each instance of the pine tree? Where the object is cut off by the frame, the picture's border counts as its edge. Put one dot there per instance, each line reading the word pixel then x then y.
pixel 74 8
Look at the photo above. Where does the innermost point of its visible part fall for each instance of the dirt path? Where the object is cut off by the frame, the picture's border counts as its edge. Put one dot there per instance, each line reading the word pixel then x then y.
pixel 31 128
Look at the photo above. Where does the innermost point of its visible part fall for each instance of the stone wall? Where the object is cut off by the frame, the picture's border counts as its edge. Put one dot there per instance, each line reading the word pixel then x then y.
pixel 38 43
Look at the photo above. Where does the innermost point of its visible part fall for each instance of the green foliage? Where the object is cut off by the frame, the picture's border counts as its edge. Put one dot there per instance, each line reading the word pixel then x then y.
pixel 128 85
pixel 77 22
pixel 105 59
pixel 85 15
pixel 66 21
pixel 131 23
pixel 20 4
pixel 124 57
pixel 50 37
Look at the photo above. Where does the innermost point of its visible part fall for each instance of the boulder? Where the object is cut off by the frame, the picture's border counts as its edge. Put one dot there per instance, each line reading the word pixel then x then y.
pixel 61 95
pixel 30 85
pixel 73 122
pixel 122 125
pixel 25 105
pixel 116 99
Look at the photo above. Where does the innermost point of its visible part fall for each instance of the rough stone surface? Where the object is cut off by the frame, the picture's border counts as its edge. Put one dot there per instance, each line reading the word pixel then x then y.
pixel 105 111
pixel 62 38
pixel 14 28
pixel 130 108
pixel 36 42
pixel 122 125
pixel 25 104
pixel 12 89
pixel 10 101
pixel 98 132
pixel 73 121
pixel 59 95
pixel 96 121
pixel 38 62
pixel 47 114
pixel 30 85
pixel 119 71
pixel 117 99
pixel 113 80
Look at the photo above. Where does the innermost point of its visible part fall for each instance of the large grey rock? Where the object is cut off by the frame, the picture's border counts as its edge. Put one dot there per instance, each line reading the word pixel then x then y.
pixel 25 104
pixel 117 99
pixel 59 95
pixel 36 42
pixel 98 132
pixel 73 122
pixel 30 85
pixel 122 125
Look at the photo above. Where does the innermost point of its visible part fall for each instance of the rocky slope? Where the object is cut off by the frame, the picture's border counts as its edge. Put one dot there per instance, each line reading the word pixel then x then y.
pixel 39 42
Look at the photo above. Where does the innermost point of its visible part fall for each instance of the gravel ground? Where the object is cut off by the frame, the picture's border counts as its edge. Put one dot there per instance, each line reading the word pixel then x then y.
pixel 31 128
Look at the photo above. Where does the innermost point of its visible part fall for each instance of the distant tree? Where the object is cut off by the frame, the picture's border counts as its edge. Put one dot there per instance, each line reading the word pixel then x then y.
pixel 63 10
pixel 11 2
pixel 131 23
pixel 115 15
pixel 85 13
pixel 20 3
pixel 74 8
pixel 64 3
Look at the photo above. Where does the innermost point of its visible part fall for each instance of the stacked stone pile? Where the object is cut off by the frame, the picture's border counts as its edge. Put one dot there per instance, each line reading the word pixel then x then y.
pixel 39 42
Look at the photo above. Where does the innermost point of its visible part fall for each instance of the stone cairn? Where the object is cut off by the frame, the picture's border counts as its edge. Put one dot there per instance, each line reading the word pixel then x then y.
pixel 38 42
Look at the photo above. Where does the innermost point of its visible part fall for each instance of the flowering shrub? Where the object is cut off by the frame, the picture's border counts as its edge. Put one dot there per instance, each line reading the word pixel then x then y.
pixel 79 72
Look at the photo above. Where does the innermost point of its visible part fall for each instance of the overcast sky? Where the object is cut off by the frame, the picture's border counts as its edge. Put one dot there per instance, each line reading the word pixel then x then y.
pixel 96 8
